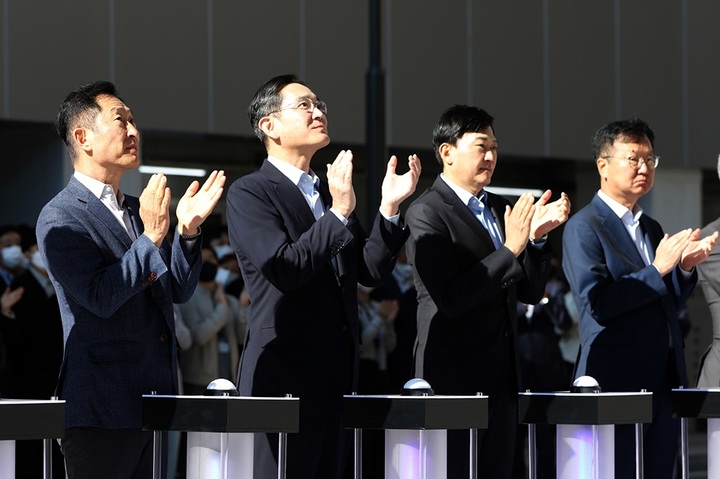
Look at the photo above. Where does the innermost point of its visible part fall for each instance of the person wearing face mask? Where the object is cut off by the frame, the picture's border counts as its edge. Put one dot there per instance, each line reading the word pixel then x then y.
pixel 11 258
pixel 36 356
pixel 212 318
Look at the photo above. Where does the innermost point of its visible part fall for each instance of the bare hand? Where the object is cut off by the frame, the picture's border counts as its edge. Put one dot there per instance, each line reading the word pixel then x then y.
pixel 396 188
pixel 388 309
pixel 698 250
pixel 220 295
pixel 155 208
pixel 517 223
pixel 549 216
pixel 670 250
pixel 339 176
pixel 197 203
pixel 9 299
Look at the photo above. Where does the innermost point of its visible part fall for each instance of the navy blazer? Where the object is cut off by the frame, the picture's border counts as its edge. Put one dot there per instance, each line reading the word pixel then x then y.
pixel 116 300
pixel 628 312
pixel 303 330
pixel 467 292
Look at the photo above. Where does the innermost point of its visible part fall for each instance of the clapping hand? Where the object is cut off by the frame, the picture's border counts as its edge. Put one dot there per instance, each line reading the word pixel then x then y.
pixel 396 188
pixel 198 202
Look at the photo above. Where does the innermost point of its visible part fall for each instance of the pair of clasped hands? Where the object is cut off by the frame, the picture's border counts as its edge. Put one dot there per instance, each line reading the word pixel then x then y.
pixel 532 220
pixel 192 209
pixel 684 248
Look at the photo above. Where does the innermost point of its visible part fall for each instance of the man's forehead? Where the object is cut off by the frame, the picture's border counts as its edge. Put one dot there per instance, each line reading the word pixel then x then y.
pixel 630 145
pixel 484 135
pixel 111 103
pixel 296 90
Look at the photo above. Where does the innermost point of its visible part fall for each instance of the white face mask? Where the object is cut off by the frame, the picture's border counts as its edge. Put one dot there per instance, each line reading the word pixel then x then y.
pixel 37 261
pixel 12 256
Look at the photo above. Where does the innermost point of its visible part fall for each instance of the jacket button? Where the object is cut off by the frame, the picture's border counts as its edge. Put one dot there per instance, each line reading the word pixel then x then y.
pixel 163 337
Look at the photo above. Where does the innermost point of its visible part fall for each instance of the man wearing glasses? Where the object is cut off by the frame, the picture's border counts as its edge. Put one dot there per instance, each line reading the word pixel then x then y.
pixel 629 280
pixel 302 252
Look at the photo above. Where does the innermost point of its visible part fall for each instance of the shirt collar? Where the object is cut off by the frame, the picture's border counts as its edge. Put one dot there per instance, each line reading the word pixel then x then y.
pixel 627 216
pixel 461 192
pixel 100 189
pixel 292 172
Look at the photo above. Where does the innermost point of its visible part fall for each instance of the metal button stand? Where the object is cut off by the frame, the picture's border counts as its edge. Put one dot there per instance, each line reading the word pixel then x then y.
pixel 221 414
pixel 421 416
pixel 699 403
pixel 29 419
pixel 586 419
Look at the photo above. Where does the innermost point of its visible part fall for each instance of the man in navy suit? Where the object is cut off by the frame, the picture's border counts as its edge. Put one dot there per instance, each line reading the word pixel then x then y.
pixel 629 281
pixel 116 277
pixel 302 252
pixel 471 265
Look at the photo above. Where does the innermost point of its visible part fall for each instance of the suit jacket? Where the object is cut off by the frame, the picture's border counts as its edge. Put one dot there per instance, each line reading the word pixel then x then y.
pixel 709 279
pixel 467 292
pixel 303 328
pixel 116 301
pixel 628 312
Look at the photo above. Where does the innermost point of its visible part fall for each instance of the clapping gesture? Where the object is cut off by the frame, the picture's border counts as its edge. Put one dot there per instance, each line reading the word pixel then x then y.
pixel 549 216
pixel 396 188
pixel 198 202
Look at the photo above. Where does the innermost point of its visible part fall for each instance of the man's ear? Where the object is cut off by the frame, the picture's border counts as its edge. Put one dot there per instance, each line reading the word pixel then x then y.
pixel 82 138
pixel 445 149
pixel 602 166
pixel 268 125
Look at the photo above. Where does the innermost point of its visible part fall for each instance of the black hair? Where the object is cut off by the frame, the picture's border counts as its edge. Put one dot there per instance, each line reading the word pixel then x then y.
pixel 267 100
pixel 80 108
pixel 626 131
pixel 455 122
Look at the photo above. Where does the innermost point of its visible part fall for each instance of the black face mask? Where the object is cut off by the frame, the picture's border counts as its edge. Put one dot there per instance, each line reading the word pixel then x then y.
pixel 208 272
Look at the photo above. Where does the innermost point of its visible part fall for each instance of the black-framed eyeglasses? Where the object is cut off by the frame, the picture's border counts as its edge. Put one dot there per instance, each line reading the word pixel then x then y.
pixel 635 163
pixel 305 104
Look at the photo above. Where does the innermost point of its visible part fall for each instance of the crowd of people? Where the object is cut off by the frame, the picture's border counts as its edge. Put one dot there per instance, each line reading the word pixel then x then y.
pixel 104 301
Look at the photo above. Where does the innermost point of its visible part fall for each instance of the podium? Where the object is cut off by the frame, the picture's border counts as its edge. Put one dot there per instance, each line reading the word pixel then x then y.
pixel 224 415
pixel 699 403
pixel 415 430
pixel 29 419
pixel 585 425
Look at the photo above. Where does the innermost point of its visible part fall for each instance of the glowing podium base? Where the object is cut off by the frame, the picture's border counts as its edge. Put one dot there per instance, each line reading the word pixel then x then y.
pixel 585 429
pixel 220 439
pixel 415 430
pixel 29 419
pixel 699 403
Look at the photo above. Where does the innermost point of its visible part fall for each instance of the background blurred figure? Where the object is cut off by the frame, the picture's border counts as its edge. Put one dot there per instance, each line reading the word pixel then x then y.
pixel 212 318
pixel 542 367
pixel 377 341
pixel 709 279
pixel 36 356
pixel 401 288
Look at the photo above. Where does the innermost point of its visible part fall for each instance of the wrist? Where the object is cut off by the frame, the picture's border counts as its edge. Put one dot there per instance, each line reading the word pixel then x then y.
pixel 188 234
pixel 540 240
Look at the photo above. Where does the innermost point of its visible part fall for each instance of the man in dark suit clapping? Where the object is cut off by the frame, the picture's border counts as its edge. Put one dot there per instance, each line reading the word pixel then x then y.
pixel 302 252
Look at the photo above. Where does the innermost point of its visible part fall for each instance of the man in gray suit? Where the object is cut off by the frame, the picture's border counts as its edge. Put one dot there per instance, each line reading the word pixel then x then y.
pixel 116 277
pixel 709 279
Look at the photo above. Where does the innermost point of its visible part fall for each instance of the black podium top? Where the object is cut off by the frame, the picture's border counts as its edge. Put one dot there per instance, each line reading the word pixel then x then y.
pixel 416 412
pixel 221 413
pixel 584 408
pixel 31 419
pixel 702 403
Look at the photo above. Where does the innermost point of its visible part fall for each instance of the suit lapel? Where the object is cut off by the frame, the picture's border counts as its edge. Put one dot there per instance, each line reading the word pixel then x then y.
pixel 95 207
pixel 616 229
pixel 461 211
pixel 289 195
